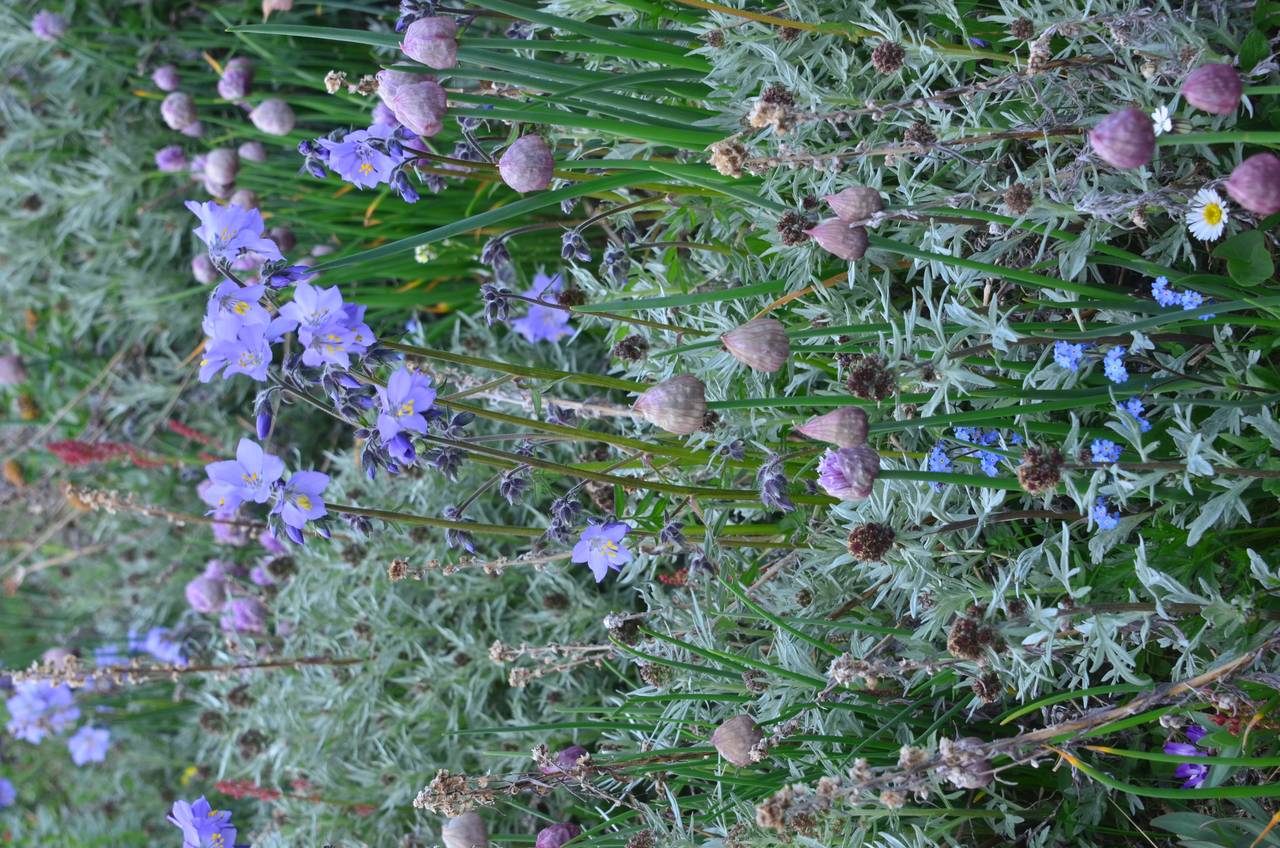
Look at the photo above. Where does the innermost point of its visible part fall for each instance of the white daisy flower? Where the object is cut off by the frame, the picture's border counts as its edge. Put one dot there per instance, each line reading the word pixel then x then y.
pixel 1207 217
pixel 1162 119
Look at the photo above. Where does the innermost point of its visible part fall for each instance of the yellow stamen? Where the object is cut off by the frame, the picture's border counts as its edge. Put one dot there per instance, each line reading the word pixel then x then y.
pixel 1212 214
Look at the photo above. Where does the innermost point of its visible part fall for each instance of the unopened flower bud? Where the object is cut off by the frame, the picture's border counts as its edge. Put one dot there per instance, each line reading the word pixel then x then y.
pixel 194 130
pixel 761 344
pixel 848 473
pixel 12 371
pixel 48 26
pixel 420 107
pixel 527 165
pixel 244 615
pixel 676 405
pixel 178 110
pixel 557 835
pixel 221 165
pixel 389 83
pixel 273 117
pixel 269 6
pixel 202 269
pixel 264 424
pixel 171 159
pixel 165 78
pixel 1215 89
pixel 735 739
pixel 835 236
pixel 855 203
pixel 844 426
pixel 1124 139
pixel 252 151
pixel 206 594
pixel 432 41
pixel 56 657
pixel 245 198
pixel 465 831
pixel 237 77
pixel 1255 184
pixel 284 238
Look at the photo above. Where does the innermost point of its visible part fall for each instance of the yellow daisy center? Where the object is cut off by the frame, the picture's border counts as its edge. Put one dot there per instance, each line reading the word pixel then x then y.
pixel 1212 214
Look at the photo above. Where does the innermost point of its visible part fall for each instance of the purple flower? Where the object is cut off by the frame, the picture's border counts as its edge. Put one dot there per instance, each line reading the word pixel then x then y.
pixel 772 480
pixel 1193 774
pixel 408 394
pixel 248 477
pixel 202 826
pixel 1164 295
pixel 330 330
pixel 300 499
pixel 847 473
pixel 1134 407
pixel 171 158
pixel 271 543
pixel 232 231
pixel 357 161
pixel 1105 519
pixel 206 594
pixel 1105 451
pixel 165 78
pixel 261 577
pixel 557 835
pixel 89 745
pixel 159 645
pixel 38 708
pixel 1068 355
pixel 244 615
pixel 383 116
pixel 1195 733
pixel 544 323
pixel 566 760
pixel 1113 365
pixel 48 26
pixel 601 548
pixel 7 793
pixel 108 655
pixel 237 304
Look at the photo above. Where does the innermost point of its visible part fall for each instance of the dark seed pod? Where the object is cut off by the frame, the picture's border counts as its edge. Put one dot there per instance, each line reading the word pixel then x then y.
pixel 676 405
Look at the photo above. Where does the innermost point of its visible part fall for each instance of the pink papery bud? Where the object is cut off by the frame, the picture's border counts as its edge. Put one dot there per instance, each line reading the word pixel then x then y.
pixel 202 269
pixel 527 165
pixel 736 738
pixel 1124 139
pixel 465 831
pixel 835 236
pixel 244 615
pixel 237 78
pixel 178 110
pixel 856 203
pixel 848 473
pixel 222 191
pixel 760 344
pixel 389 83
pixel 283 237
pixel 165 78
pixel 432 41
pixel 421 107
pixel 273 117
pixel 252 151
pixel 245 198
pixel 677 405
pixel 12 371
pixel 194 130
pixel 566 760
pixel 845 427
pixel 206 594
pixel 221 165
pixel 1255 184
pixel 56 657
pixel 556 835
pixel 269 6
pixel 1215 89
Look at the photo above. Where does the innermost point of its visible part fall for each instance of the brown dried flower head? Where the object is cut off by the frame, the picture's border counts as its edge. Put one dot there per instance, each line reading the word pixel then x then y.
pixel 1040 471
pixel 887 57
pixel 870 542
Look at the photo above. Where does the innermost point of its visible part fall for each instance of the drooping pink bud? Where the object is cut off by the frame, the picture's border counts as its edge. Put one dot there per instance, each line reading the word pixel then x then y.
pixel 165 78
pixel 202 269
pixel 465 831
pixel 221 165
pixel 848 473
pixel 556 835
pixel 677 405
pixel 736 738
pixel 178 110
pixel 527 165
pixel 855 203
pixel 844 426
pixel 283 237
pixel 273 117
pixel 194 130
pixel 222 191
pixel 761 344
pixel 421 107
pixel 206 594
pixel 237 78
pixel 1215 89
pixel 12 371
pixel 389 83
pixel 1255 184
pixel 432 41
pixel 252 151
pixel 269 6
pixel 245 198
pixel 1124 139
pixel 835 236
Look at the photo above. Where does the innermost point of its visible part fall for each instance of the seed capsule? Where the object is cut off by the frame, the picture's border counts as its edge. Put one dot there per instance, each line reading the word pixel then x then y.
pixel 1255 184
pixel 165 78
pixel 835 236
pixel 237 78
pixel 1124 139
pixel 676 405
pixel 221 165
pixel 420 106
pixel 252 151
pixel 245 198
pixel 178 110
pixel 273 117
pixel 465 831
pixel 845 427
pixel 527 165
pixel 761 344
pixel 1215 89
pixel 855 203
pixel 735 738
pixel 432 41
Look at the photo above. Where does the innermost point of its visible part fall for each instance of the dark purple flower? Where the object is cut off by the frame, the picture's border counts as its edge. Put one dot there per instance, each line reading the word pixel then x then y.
pixel 1192 773
pixel 773 485
pixel 566 760
pixel 601 548
pixel 407 395
pixel 231 231
pixel 248 477
pixel 557 835
pixel 1195 733
pixel 7 793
